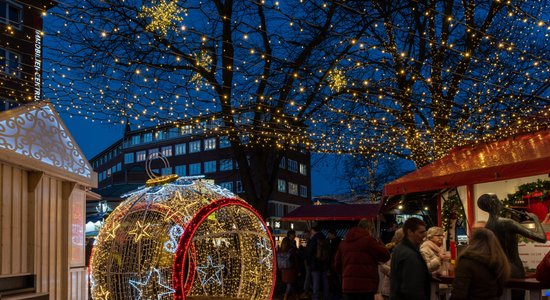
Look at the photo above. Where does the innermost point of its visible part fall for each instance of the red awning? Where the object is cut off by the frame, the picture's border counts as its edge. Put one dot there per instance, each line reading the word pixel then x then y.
pixel 333 212
pixel 514 157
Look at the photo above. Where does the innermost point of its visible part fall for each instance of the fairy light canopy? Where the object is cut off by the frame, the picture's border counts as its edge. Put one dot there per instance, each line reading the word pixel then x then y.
pixel 400 77
pixel 183 239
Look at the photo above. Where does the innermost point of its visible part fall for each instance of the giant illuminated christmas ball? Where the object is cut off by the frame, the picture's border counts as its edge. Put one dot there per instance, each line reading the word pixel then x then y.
pixel 185 239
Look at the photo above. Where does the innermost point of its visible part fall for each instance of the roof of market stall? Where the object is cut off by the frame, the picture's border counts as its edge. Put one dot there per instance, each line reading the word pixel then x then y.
pixel 333 212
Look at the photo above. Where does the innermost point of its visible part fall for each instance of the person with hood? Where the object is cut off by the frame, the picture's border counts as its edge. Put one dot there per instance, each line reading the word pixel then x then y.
pixel 482 268
pixel 357 259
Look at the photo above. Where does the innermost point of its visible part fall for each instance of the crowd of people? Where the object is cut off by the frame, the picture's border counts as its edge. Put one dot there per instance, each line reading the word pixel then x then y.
pixel 362 267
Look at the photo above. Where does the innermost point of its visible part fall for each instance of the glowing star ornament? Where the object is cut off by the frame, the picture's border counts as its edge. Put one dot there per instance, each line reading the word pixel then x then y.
pixel 266 256
pixel 337 80
pixel 210 273
pixel 163 16
pixel 152 289
pixel 140 231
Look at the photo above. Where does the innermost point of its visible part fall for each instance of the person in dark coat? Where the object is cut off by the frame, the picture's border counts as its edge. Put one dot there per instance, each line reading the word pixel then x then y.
pixel 357 259
pixel 334 279
pixel 482 269
pixel 410 278
pixel 289 276
pixel 319 269
pixel 543 269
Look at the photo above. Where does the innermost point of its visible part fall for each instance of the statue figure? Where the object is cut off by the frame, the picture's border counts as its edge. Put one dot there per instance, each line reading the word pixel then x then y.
pixel 506 231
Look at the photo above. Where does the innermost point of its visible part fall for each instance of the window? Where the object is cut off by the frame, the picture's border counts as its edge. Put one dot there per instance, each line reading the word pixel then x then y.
pixel 148 137
pixel 136 139
pixel 166 171
pixel 227 185
pixel 153 151
pixel 11 13
pixel 210 166
pixel 119 167
pixel 187 129
pixel 180 149
pixel 292 165
pixel 210 144
pixel 303 169
pixel 129 158
pixel 109 172
pixel 141 155
pixel 303 191
pixel 10 63
pixel 238 187
pixel 224 142
pixel 194 146
pixel 195 169
pixel 160 135
pixel 167 151
pixel 281 186
pixel 113 169
pixel 173 132
pixel 100 177
pixel 226 164
pixel 282 163
pixel 292 188
pixel 181 170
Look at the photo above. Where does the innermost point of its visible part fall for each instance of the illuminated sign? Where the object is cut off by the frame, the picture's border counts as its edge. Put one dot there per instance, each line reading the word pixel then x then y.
pixel 37 65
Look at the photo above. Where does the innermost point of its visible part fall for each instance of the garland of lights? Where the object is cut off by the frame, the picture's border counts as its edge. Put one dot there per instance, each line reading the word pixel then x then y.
pixel 452 209
pixel 183 239
pixel 540 186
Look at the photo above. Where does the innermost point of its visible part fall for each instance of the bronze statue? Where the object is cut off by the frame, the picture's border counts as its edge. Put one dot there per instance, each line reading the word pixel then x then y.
pixel 506 230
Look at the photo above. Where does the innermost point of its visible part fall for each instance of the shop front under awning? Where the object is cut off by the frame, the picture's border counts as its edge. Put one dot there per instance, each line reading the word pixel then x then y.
pixel 513 157
pixel 331 212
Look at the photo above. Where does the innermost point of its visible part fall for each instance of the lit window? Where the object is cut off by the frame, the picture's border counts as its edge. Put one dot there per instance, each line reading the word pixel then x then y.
pixel 292 165
pixel 141 156
pixel 187 129
pixel 227 186
pixel 119 167
pixel 194 146
pixel 210 166
pixel 167 151
pixel 238 187
pixel 160 135
pixel 10 63
pixel 109 172
pixel 129 158
pixel 226 164
pixel 181 170
pixel 173 132
pixel 195 169
pixel 281 186
pixel 153 151
pixel 210 144
pixel 303 191
pixel 303 169
pixel 11 13
pixel 180 149
pixel 224 142
pixel 292 188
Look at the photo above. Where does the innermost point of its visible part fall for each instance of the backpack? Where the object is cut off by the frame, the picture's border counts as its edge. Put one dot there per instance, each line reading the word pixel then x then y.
pixel 323 250
pixel 283 260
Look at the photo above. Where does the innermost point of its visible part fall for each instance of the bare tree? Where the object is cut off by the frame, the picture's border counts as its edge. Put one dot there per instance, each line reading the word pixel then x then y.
pixel 256 69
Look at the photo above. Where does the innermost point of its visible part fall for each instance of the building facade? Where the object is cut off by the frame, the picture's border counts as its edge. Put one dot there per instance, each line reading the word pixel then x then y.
pixel 190 152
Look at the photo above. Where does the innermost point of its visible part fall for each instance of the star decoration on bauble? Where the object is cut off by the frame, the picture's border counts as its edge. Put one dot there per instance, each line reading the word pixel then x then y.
pixel 140 231
pixel 148 288
pixel 210 272
pixel 266 254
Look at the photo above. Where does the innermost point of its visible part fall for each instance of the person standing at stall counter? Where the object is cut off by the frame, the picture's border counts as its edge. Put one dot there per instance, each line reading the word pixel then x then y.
pixel 410 278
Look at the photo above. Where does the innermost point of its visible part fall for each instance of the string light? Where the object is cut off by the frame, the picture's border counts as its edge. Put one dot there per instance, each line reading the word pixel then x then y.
pixel 293 84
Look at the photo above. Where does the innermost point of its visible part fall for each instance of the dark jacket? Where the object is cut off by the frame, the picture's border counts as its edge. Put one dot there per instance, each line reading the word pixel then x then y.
pixel 410 278
pixel 311 252
pixel 474 279
pixel 357 260
pixel 290 275
pixel 543 269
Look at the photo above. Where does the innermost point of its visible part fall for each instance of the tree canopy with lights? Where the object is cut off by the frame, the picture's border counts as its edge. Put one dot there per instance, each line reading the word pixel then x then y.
pixel 409 79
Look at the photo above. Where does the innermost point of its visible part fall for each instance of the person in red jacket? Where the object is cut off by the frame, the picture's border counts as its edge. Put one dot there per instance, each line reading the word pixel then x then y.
pixel 357 259
pixel 543 269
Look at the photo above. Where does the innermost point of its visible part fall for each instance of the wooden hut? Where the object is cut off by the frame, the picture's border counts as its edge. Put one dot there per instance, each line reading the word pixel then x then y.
pixel 44 178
